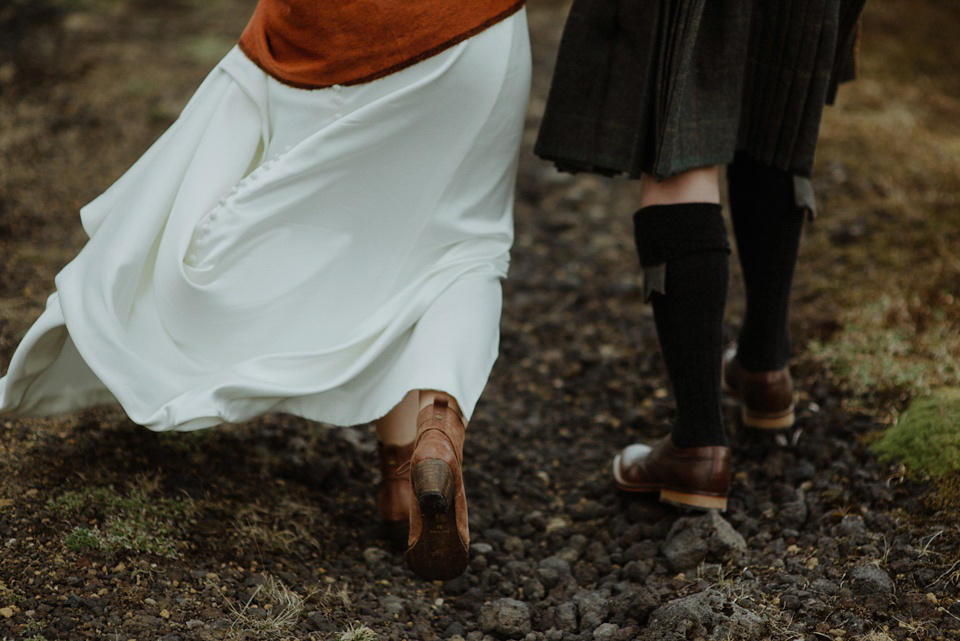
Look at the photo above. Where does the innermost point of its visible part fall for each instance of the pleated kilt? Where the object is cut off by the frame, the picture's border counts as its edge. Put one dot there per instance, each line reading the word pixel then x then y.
pixel 664 86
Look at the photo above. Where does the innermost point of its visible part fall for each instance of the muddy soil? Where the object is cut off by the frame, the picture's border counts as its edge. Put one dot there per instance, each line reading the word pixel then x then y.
pixel 268 530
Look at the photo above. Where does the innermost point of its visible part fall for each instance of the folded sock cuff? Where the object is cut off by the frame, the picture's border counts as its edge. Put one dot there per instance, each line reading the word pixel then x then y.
pixel 772 191
pixel 667 232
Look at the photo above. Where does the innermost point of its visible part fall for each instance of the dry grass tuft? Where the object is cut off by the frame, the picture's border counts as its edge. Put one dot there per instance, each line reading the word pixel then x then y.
pixel 358 632
pixel 286 527
pixel 271 610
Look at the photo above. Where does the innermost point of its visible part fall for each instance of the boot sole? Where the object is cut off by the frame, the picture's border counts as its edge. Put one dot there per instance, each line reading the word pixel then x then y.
pixel 694 501
pixel 438 554
pixel 766 420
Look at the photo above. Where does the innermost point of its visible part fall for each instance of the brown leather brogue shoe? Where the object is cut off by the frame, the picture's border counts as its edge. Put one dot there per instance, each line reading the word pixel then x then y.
pixel 395 490
pixel 766 398
pixel 695 477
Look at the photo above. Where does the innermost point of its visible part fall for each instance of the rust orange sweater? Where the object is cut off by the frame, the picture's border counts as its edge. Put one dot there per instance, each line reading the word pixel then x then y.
pixel 320 43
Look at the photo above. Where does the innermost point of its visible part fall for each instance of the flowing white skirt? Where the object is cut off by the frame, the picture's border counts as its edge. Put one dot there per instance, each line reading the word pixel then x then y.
pixel 319 253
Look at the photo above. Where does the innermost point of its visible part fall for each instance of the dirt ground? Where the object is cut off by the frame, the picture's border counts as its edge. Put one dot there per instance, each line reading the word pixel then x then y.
pixel 268 530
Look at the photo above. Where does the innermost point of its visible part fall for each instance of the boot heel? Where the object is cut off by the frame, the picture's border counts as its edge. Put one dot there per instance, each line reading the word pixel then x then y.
pixel 433 486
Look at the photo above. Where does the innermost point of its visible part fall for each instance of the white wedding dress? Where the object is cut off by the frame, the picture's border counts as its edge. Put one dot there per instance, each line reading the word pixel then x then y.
pixel 315 252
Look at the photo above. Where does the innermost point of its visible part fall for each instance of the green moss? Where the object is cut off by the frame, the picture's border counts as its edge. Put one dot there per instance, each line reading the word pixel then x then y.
pixel 926 438
pixel 136 520
pixel 82 539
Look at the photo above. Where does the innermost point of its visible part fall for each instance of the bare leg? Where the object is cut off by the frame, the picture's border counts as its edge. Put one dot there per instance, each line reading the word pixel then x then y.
pixel 694 186
pixel 399 426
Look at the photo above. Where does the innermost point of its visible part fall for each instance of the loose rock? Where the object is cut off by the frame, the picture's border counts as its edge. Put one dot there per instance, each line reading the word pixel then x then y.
pixel 592 608
pixel 552 570
pixel 605 632
pixel 507 618
pixel 871 580
pixel 693 540
pixel 565 617
pixel 706 615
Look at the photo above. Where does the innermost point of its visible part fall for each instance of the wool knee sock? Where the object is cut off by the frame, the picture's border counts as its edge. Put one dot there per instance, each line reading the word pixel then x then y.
pixel 767 224
pixel 687 244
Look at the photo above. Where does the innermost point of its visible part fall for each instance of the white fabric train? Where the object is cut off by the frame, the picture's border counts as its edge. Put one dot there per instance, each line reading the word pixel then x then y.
pixel 317 252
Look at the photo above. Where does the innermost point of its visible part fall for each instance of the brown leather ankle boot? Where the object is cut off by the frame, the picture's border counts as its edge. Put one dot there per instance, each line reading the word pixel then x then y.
pixel 766 398
pixel 395 491
pixel 438 544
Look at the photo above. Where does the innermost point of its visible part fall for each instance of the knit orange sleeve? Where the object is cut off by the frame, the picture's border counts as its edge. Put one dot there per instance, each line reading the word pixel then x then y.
pixel 320 43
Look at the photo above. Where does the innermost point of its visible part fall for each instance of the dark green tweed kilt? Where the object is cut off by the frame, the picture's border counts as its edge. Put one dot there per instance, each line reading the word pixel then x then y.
pixel 663 86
